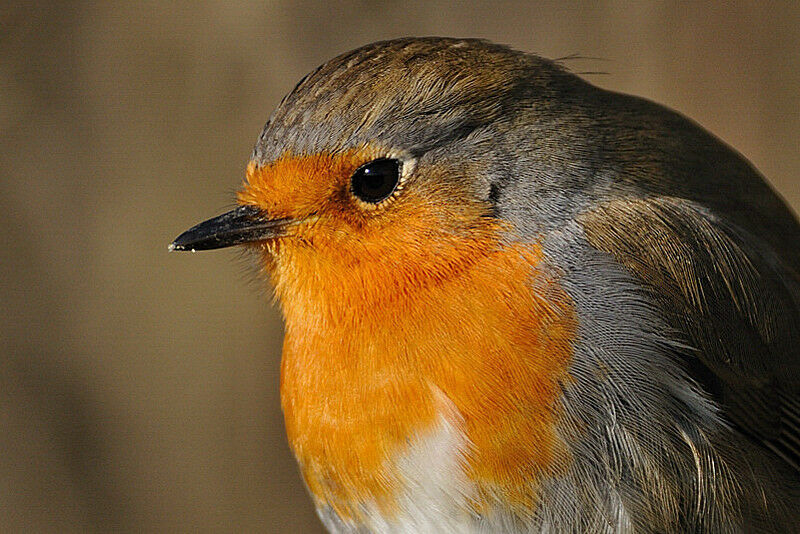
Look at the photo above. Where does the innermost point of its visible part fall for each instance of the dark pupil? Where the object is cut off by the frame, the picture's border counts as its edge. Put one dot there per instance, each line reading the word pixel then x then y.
pixel 376 180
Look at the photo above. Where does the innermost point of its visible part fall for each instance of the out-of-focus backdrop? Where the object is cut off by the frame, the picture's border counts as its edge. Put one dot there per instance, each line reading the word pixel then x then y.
pixel 139 389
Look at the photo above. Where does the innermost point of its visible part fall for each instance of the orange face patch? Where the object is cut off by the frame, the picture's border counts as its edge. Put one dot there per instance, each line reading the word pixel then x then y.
pixel 295 187
pixel 384 309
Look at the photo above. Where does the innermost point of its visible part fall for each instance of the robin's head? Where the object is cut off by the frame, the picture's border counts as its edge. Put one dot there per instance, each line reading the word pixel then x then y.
pixel 382 168
pixel 380 196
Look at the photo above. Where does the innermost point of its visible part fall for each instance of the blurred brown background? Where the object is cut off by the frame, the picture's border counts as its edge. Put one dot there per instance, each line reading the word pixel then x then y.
pixel 138 389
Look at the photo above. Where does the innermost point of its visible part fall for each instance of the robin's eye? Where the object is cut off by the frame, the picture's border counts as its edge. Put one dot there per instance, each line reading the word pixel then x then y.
pixel 376 180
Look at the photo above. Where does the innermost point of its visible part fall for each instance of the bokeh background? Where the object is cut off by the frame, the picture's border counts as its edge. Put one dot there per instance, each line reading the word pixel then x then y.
pixel 139 389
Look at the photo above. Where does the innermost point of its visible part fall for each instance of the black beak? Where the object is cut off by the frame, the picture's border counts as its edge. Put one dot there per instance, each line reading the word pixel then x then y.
pixel 242 225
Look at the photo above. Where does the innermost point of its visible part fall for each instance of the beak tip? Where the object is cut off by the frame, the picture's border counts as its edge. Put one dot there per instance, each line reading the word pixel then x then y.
pixel 182 244
pixel 179 243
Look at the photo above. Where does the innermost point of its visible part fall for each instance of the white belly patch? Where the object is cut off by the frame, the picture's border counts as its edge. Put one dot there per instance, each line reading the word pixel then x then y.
pixel 434 491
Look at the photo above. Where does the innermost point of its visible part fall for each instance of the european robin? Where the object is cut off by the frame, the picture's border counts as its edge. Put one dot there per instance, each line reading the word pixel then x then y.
pixel 516 302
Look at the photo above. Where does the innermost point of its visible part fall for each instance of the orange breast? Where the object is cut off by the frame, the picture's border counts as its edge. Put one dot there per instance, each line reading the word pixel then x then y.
pixel 356 381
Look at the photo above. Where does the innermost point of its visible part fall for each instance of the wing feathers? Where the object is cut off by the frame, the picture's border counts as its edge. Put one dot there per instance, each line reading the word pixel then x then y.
pixel 726 293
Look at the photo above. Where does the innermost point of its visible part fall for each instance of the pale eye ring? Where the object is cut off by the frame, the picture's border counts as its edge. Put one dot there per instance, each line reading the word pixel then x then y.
pixel 375 181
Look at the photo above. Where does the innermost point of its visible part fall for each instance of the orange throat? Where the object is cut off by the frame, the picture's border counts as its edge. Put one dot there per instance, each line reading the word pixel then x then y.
pixel 364 366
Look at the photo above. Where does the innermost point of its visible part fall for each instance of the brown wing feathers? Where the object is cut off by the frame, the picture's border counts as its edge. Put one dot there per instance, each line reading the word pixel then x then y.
pixel 734 308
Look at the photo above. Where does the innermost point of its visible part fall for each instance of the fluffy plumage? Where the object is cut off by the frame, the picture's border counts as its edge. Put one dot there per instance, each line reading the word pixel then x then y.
pixel 579 313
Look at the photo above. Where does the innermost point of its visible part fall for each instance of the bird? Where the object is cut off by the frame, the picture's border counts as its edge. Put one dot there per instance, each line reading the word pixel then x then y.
pixel 517 302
